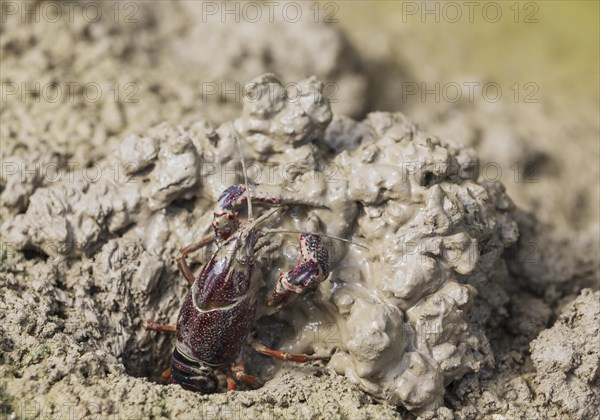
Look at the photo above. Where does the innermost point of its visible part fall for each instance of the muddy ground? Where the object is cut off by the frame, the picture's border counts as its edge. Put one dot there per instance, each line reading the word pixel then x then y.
pixel 64 353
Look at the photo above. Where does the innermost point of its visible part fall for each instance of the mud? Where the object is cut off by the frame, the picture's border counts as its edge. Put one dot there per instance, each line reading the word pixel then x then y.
pixel 85 258
pixel 76 85
pixel 399 316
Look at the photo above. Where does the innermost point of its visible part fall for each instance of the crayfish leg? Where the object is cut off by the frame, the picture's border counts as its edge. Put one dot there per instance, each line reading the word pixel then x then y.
pixel 151 325
pixel 230 381
pixel 249 379
pixel 166 376
pixel 238 374
pixel 185 270
pixel 182 263
pixel 196 246
pixel 284 355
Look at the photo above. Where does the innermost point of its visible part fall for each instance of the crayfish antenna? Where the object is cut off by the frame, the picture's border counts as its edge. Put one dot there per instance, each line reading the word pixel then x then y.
pixel 267 231
pixel 239 145
pixel 266 216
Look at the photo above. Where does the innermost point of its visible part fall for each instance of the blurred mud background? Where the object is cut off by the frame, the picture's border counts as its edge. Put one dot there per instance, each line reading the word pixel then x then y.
pixel 540 138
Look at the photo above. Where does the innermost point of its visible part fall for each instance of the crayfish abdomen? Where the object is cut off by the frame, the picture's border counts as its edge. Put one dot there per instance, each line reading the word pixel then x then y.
pixel 192 374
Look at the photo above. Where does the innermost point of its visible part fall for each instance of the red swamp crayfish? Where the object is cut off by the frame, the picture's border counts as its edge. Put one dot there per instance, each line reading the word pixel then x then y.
pixel 219 309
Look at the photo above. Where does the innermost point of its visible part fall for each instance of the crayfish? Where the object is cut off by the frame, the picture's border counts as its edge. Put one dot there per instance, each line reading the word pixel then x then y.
pixel 220 307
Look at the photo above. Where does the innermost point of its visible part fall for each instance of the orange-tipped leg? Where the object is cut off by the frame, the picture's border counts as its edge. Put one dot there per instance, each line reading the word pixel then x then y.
pixel 237 374
pixel 166 376
pixel 150 325
pixel 230 381
pixel 242 376
pixel 284 355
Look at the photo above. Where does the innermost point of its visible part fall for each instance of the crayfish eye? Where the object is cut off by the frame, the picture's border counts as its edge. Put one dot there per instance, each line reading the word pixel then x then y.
pixel 244 260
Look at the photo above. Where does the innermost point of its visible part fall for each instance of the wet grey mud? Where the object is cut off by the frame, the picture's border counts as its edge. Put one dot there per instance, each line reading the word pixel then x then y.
pixel 467 303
